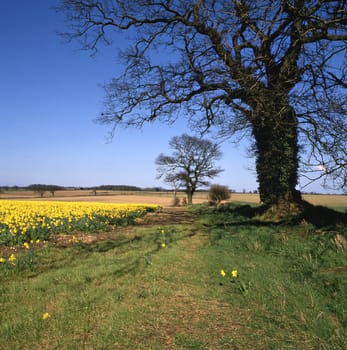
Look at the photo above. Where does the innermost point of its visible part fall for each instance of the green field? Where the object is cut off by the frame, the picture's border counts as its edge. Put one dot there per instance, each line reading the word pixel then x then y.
pixel 158 285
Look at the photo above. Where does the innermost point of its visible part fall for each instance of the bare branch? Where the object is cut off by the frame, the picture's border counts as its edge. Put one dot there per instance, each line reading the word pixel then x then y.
pixel 260 68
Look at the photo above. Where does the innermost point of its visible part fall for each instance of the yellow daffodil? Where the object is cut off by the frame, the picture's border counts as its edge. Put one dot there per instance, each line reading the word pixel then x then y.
pixel 12 257
pixel 45 316
pixel 26 245
pixel 234 273
pixel 2 260
pixel 163 245
pixel 222 272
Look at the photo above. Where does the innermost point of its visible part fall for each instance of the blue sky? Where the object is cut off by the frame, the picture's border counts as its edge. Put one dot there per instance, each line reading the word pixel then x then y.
pixel 50 94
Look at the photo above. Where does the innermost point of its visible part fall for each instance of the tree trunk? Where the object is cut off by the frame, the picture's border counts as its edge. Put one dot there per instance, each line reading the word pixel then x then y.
pixel 277 157
pixel 189 196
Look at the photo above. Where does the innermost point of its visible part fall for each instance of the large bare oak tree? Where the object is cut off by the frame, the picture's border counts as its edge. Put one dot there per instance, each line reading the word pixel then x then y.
pixel 272 70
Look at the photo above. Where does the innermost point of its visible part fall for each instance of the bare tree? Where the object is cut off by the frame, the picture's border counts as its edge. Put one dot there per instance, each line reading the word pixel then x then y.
pixel 191 164
pixel 274 71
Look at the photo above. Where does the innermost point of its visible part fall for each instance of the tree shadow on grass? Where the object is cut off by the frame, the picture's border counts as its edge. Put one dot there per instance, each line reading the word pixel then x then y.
pixel 318 216
pixel 142 249
pixel 132 247
pixel 108 244
pixel 322 216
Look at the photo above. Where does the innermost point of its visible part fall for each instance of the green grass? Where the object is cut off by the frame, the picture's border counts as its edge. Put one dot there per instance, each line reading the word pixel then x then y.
pixel 296 279
pixel 128 292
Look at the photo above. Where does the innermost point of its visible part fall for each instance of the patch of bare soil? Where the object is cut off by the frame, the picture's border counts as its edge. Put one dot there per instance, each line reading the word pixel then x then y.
pixel 167 216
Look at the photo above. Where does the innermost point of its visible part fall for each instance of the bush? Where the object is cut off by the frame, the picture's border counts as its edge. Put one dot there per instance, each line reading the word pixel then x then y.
pixel 175 201
pixel 218 193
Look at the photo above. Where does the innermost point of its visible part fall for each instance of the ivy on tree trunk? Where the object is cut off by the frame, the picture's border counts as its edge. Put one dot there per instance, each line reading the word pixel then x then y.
pixel 277 157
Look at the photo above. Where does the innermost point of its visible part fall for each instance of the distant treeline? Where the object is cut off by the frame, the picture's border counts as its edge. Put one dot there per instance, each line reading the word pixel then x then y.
pixel 116 188
pixel 33 187
pixel 50 188
pixel 41 188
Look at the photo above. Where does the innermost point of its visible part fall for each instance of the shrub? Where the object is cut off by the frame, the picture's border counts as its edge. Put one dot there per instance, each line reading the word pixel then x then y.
pixel 175 201
pixel 218 193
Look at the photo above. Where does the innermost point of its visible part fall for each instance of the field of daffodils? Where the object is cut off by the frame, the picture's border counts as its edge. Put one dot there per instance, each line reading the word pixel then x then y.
pixel 27 221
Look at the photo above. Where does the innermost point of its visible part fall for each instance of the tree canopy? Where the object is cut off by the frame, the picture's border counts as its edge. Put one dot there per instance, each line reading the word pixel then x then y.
pixel 274 71
pixel 191 164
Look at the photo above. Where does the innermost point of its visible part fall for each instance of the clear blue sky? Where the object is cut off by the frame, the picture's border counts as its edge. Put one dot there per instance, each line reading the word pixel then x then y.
pixel 49 96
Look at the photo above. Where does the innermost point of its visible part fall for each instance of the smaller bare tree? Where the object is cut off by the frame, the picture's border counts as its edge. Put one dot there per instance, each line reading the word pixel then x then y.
pixel 191 164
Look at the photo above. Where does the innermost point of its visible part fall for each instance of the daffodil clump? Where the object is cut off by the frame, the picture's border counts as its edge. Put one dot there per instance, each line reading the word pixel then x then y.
pixel 165 237
pixel 12 258
pixel 234 273
pixel 243 287
pixel 24 221
pixel 7 263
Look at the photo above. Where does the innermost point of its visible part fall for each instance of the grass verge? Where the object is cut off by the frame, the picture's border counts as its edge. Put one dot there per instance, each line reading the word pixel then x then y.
pixel 159 287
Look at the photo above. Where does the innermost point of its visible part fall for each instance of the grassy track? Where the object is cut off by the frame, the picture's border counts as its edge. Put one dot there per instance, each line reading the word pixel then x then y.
pixel 158 285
